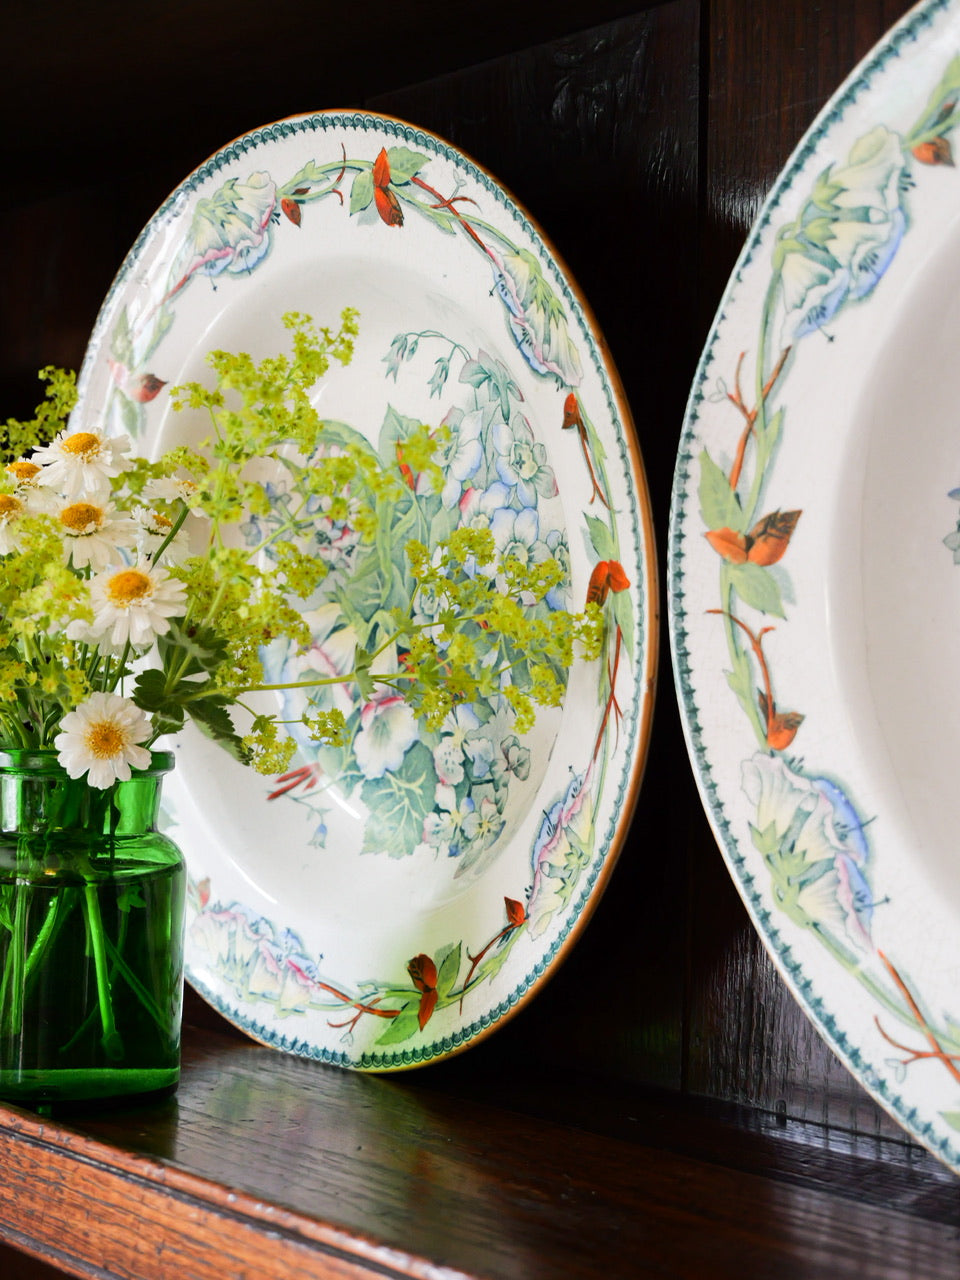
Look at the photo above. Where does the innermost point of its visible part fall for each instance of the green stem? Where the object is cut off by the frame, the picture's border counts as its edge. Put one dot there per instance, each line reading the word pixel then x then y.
pixel 111 1037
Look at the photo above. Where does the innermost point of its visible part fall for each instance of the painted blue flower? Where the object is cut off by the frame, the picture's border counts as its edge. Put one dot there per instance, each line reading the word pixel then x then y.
pixel 811 834
pixel 846 236
pixel 521 462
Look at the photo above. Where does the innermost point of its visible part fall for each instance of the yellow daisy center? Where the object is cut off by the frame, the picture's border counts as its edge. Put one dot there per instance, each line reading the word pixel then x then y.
pixel 23 471
pixel 83 444
pixel 9 506
pixel 158 523
pixel 129 587
pixel 104 739
pixel 80 515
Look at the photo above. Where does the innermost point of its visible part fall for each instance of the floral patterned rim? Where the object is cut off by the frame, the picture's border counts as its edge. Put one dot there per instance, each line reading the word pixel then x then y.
pixel 543 451
pixel 779 749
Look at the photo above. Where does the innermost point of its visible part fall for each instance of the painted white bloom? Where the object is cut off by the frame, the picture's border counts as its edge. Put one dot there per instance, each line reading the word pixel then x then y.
pixel 101 738
pixel 388 728
pixel 131 604
pixel 81 464
pixel 94 534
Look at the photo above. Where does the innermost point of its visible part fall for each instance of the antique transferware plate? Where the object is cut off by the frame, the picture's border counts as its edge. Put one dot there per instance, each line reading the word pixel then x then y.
pixel 814 575
pixel 386 905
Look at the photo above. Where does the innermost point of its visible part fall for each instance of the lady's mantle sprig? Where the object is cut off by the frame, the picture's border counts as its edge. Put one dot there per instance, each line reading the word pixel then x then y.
pixel 137 594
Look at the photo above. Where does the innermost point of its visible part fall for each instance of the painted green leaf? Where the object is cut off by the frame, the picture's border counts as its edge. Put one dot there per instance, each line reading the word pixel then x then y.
pixel 719 505
pixel 757 587
pixel 952 1118
pixel 404 164
pixel 403 1026
pixel 601 538
pixel 398 803
pixel 361 193
pixel 623 613
pixel 448 967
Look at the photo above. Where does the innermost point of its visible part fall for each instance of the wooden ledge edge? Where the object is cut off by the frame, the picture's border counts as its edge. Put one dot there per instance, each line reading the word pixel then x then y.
pixel 99 1210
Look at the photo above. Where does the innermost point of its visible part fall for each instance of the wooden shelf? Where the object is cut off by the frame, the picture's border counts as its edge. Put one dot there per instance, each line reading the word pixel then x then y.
pixel 267 1167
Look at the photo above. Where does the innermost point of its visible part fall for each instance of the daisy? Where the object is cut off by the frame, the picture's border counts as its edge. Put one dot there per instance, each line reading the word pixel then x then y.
pixel 131 605
pixel 11 509
pixel 80 464
pixel 101 738
pixel 29 491
pixel 154 528
pixel 169 489
pixel 94 534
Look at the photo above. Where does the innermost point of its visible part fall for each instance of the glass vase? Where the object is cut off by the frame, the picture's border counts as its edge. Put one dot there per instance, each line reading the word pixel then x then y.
pixel 91 935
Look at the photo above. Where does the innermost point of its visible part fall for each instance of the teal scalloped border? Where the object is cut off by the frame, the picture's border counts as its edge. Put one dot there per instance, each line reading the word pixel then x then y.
pixel 171 207
pixel 889 48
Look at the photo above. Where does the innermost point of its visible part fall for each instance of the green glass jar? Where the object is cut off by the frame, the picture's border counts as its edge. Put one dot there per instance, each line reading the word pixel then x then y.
pixel 91 935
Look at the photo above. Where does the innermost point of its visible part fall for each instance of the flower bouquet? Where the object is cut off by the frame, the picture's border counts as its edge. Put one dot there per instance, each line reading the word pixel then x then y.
pixel 139 594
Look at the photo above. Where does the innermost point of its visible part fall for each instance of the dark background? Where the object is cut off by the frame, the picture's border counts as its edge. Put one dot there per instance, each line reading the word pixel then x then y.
pixel 642 137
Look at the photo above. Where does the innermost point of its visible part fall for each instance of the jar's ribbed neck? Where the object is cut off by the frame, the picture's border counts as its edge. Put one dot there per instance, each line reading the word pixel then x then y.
pixel 44 761
pixel 38 795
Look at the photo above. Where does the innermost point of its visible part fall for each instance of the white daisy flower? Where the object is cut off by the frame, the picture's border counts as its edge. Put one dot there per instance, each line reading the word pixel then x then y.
pixel 169 489
pixel 81 464
pixel 94 534
pixel 154 529
pixel 101 737
pixel 26 474
pixel 131 604
pixel 12 508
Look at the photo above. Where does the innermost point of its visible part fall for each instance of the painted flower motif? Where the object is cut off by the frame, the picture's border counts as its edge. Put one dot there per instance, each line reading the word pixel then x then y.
pixel 388 729
pixel 444 829
pixel 462 457
pixel 131 605
pixel 94 534
pixel 846 236
pixel 559 549
pixel 516 536
pixel 537 319
pixel 522 462
pixel 231 228
pixel 80 464
pixel 463 738
pixel 811 834
pixel 101 738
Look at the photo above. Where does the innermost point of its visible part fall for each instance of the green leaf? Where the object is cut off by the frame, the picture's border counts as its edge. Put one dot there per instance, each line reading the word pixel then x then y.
pixel 447 969
pixel 361 192
pixel 149 690
pixel 757 587
pixel 719 505
pixel 398 803
pixel 601 538
pixel 952 1118
pixel 213 720
pixel 404 164
pixel 403 1026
